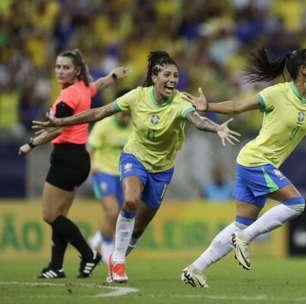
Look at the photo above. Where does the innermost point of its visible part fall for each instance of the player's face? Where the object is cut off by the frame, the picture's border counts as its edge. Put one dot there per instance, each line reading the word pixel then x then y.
pixel 166 81
pixel 65 70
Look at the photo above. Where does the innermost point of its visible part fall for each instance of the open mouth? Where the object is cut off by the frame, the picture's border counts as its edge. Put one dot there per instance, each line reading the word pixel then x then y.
pixel 169 88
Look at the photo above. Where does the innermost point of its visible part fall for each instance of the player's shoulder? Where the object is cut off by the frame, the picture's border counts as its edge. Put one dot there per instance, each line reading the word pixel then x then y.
pixel 275 89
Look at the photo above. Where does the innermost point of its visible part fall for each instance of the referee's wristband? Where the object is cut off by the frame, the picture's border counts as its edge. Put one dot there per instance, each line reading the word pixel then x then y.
pixel 30 143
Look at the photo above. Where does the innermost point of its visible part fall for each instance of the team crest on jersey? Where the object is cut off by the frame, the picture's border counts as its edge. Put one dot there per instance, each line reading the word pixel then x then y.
pixel 155 119
pixel 301 116
pixel 278 173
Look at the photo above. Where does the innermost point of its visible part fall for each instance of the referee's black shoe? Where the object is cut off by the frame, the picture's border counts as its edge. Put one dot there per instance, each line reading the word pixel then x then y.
pixel 87 266
pixel 51 273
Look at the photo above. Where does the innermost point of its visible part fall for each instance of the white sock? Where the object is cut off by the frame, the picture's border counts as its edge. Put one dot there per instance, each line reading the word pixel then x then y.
pixel 124 230
pixel 107 248
pixel 220 246
pixel 96 241
pixel 270 220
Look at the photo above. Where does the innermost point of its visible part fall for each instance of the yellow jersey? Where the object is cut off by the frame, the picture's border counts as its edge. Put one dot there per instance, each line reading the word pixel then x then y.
pixel 108 138
pixel 157 128
pixel 283 126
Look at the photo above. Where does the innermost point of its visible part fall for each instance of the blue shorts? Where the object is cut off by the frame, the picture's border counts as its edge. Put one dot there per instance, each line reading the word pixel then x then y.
pixel 254 184
pixel 107 185
pixel 155 184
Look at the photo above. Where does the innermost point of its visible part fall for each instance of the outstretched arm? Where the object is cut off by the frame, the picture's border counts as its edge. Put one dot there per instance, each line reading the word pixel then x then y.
pixel 233 106
pixel 205 124
pixel 116 73
pixel 224 107
pixel 43 137
pixel 83 117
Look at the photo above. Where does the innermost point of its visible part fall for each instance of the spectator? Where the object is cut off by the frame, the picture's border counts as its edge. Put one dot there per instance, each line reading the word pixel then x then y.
pixel 218 190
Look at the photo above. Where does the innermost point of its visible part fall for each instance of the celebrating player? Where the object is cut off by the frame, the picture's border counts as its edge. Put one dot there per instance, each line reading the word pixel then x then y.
pixel 258 176
pixel 106 142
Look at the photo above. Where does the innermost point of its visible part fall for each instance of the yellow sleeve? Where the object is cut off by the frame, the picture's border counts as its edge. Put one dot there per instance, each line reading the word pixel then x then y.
pixel 125 102
pixel 266 98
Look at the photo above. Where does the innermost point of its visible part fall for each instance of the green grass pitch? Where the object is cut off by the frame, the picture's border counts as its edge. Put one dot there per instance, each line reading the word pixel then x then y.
pixel 158 281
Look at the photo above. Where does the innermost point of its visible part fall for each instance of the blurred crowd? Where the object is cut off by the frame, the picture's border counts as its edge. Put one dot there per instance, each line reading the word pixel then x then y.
pixel 210 41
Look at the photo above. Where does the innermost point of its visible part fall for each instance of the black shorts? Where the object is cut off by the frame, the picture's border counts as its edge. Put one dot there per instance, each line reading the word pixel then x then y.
pixel 70 166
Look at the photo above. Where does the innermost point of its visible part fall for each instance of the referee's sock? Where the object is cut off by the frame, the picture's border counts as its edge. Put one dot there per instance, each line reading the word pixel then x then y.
pixel 58 249
pixel 71 233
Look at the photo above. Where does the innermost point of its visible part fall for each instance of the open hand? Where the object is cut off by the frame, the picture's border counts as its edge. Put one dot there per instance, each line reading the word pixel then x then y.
pixel 120 72
pixel 50 122
pixel 200 102
pixel 226 134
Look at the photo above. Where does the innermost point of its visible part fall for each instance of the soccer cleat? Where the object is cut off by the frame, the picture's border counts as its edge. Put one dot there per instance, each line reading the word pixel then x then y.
pixel 242 252
pixel 116 272
pixel 192 278
pixel 87 266
pixel 51 273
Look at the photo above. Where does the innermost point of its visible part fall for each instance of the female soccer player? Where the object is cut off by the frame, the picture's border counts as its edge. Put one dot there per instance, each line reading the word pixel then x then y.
pixel 70 164
pixel 158 113
pixel 106 142
pixel 258 176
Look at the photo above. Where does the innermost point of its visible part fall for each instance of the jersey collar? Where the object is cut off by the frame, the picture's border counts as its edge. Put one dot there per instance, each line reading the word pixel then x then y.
pixel 154 100
pixel 297 93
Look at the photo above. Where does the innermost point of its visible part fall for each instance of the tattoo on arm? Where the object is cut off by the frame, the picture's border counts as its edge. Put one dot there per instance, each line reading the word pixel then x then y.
pixel 202 123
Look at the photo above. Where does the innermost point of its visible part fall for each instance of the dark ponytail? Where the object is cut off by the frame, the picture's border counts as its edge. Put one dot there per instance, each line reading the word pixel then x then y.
pixel 78 61
pixel 262 69
pixel 156 60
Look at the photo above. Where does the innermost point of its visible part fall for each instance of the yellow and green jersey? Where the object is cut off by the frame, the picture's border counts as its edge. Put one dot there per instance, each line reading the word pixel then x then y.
pixel 283 126
pixel 157 129
pixel 108 138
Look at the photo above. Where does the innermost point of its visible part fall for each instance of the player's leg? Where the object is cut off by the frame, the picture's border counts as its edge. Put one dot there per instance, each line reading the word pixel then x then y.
pixel 152 196
pixel 273 184
pixel 111 211
pixel 108 191
pixel 132 188
pixel 220 246
pixel 143 217
pixel 292 205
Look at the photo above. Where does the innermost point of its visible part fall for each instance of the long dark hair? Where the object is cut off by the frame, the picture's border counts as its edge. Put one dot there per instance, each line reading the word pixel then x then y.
pixel 78 62
pixel 263 69
pixel 156 60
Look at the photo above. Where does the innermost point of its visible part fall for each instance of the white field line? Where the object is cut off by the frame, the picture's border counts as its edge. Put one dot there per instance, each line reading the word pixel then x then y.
pixel 256 298
pixel 115 291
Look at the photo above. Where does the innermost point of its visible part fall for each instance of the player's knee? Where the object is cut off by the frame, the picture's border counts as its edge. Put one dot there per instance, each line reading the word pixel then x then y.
pixel 296 203
pixel 130 204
